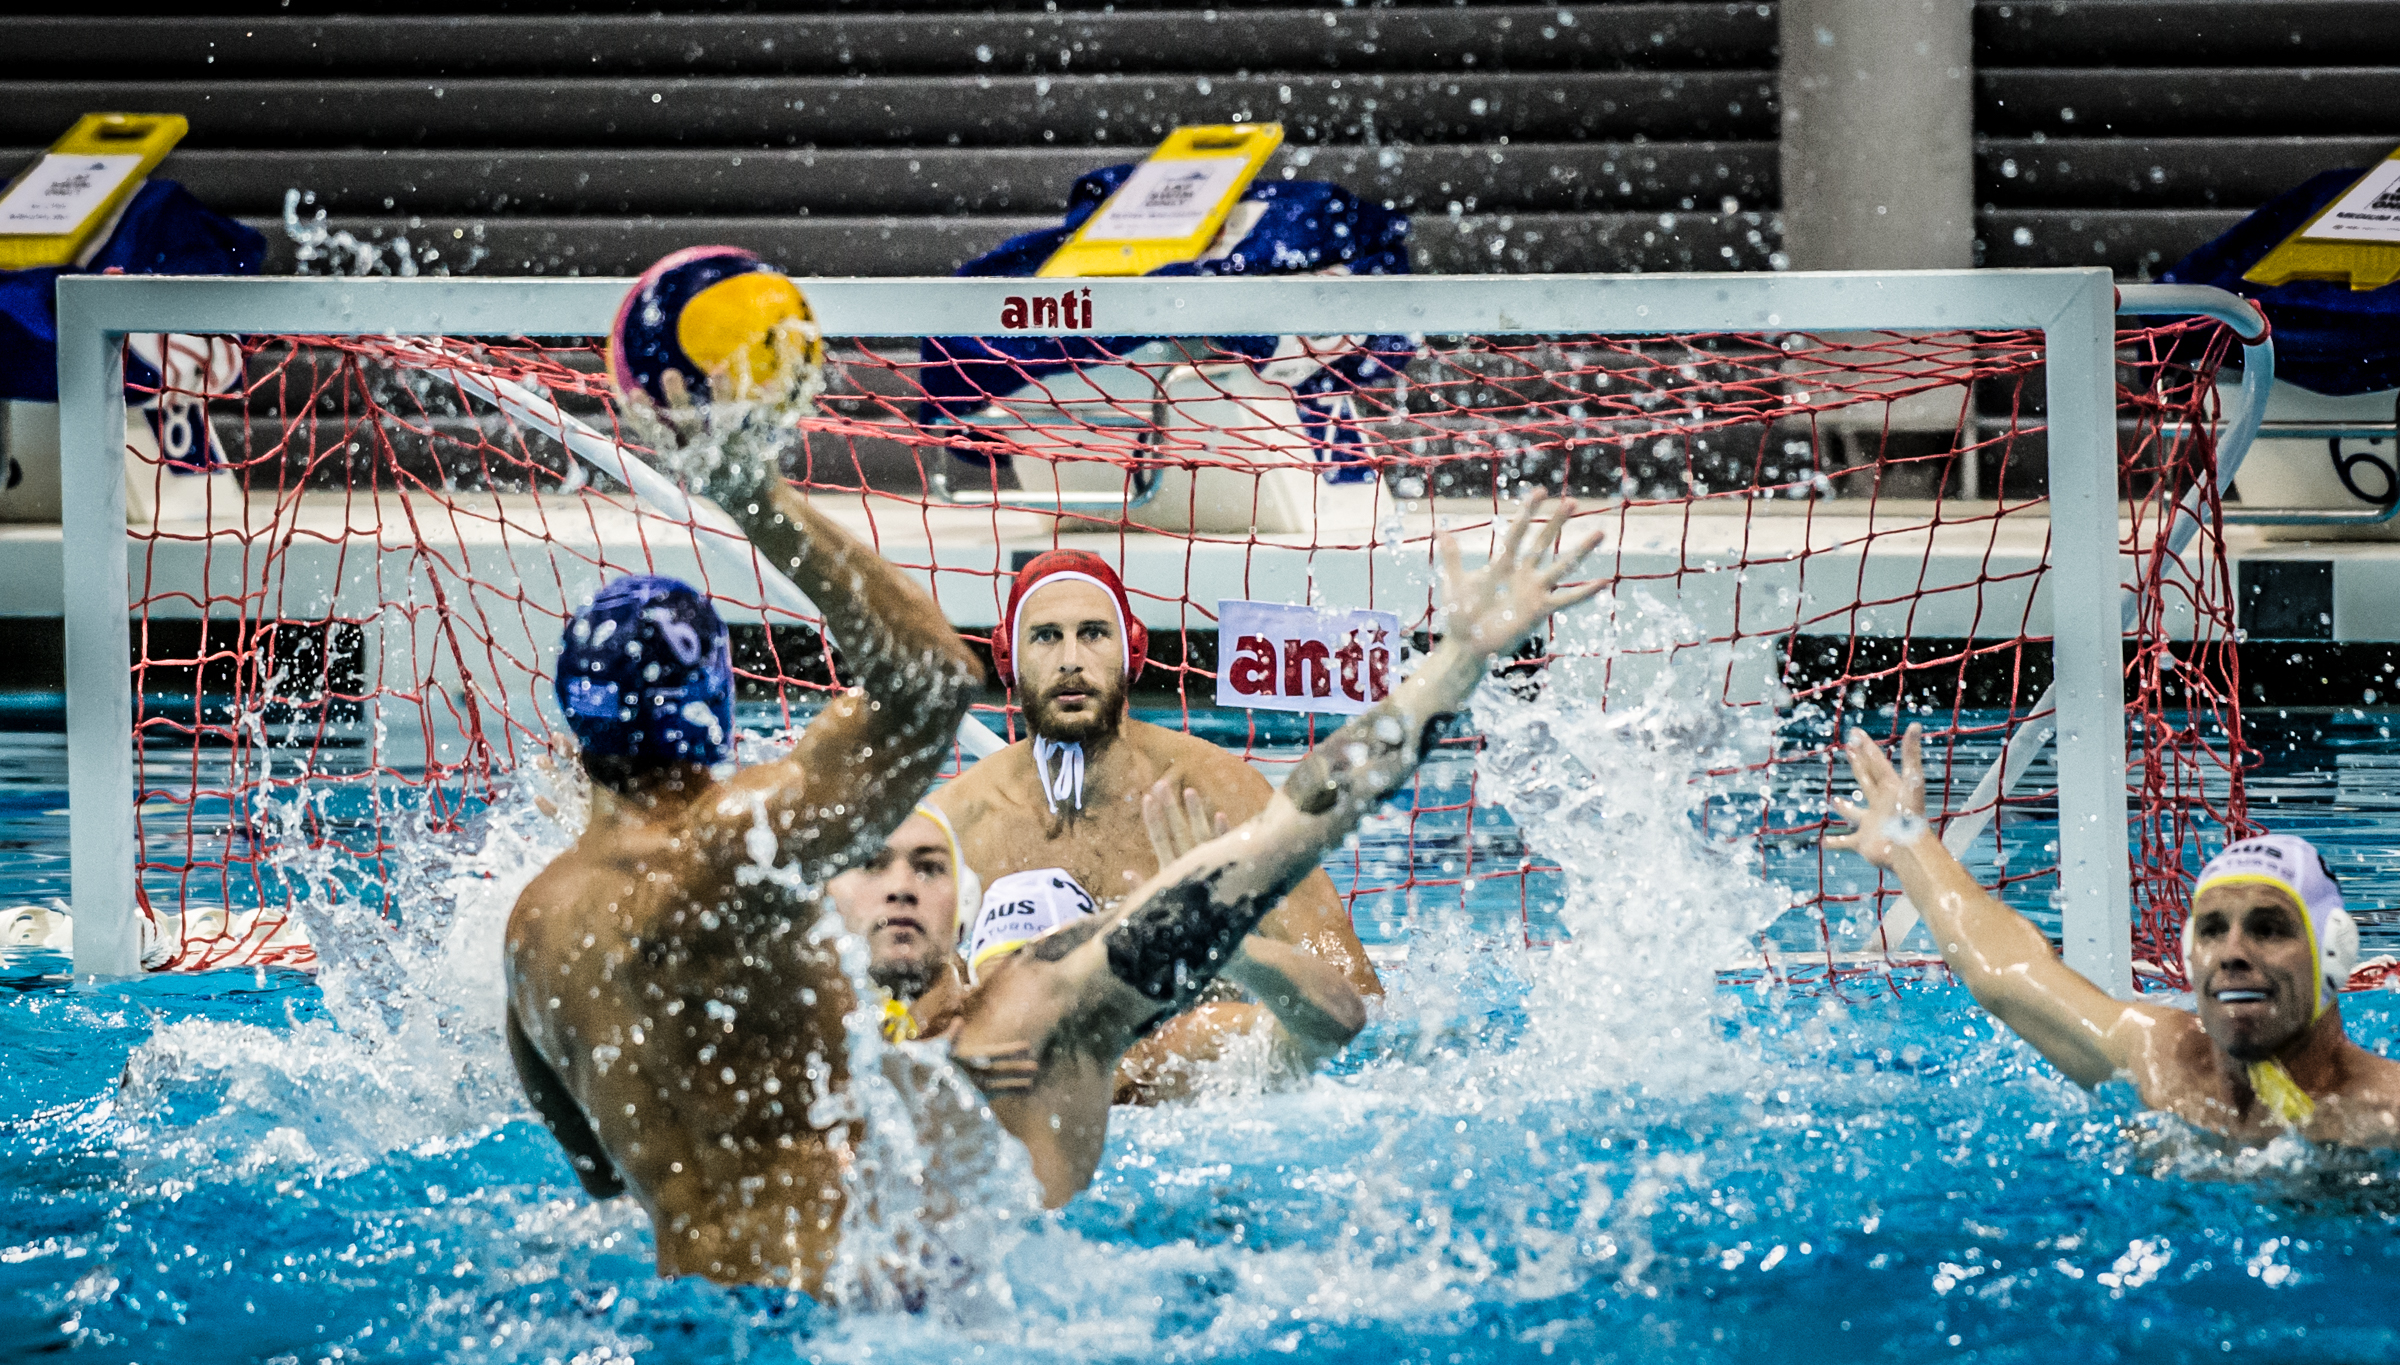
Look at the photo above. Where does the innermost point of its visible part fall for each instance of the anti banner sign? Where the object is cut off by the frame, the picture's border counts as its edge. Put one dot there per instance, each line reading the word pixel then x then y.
pixel 1272 657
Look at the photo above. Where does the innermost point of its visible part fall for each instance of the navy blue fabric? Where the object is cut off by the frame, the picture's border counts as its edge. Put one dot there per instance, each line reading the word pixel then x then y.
pixel 646 671
pixel 2328 337
pixel 165 231
pixel 1307 225
pixel 646 346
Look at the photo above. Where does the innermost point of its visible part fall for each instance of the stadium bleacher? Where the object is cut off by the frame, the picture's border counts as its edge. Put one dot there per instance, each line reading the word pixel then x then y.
pixel 904 136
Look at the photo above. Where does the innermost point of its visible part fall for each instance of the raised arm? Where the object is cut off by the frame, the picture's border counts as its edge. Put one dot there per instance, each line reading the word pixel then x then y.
pixel 871 753
pixel 1181 929
pixel 1999 955
pixel 1317 1009
pixel 1313 918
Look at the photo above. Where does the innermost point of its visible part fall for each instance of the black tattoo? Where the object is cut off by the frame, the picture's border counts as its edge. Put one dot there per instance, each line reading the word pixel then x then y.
pixel 1181 936
pixel 1058 943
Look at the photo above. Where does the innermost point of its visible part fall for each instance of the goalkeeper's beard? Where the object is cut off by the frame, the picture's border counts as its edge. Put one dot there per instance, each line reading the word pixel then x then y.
pixel 1100 716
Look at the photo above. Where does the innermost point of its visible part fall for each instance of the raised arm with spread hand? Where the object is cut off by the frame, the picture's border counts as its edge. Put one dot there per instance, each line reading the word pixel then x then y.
pixel 2002 959
pixel 1311 997
pixel 1153 955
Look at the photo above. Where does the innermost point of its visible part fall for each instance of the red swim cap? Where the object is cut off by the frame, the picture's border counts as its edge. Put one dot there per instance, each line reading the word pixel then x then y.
pixel 1083 566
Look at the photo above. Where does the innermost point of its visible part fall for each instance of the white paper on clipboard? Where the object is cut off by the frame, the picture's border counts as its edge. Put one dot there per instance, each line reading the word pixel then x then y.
pixel 2368 211
pixel 62 191
pixel 1169 197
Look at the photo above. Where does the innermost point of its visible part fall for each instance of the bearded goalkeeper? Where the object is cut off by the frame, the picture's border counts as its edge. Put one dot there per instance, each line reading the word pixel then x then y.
pixel 674 1016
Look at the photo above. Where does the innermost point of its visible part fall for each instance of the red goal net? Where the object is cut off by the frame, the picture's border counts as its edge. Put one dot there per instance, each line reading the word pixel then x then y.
pixel 351 569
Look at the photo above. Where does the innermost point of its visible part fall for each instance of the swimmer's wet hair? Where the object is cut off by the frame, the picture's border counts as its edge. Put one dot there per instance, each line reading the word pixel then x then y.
pixel 623 773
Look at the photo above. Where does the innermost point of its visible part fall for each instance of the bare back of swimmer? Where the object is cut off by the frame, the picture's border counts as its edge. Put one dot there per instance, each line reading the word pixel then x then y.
pixel 670 1013
pixel 673 1020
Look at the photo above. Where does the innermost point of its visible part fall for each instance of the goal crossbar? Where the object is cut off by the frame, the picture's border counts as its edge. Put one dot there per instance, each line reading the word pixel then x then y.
pixel 2073 309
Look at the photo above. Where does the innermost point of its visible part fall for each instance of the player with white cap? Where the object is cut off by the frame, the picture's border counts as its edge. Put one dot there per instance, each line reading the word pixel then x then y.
pixel 2266 948
pixel 675 1016
pixel 1064 806
pixel 909 901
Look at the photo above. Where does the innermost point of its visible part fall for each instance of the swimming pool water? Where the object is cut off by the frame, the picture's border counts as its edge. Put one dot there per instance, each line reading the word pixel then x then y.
pixel 1510 1165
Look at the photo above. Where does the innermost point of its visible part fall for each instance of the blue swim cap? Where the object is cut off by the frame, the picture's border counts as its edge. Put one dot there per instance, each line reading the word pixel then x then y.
pixel 645 671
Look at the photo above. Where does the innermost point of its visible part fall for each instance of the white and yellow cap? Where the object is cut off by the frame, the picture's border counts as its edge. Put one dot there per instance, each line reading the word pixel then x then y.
pixel 1022 907
pixel 2293 866
pixel 969 887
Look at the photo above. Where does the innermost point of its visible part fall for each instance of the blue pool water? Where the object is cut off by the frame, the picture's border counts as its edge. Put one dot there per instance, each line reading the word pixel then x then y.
pixel 1517 1162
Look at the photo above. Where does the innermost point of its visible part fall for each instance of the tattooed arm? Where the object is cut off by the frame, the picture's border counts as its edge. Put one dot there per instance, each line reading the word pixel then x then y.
pixel 1152 956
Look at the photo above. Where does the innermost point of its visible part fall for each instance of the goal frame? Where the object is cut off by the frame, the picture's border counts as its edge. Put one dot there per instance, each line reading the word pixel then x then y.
pixel 2075 309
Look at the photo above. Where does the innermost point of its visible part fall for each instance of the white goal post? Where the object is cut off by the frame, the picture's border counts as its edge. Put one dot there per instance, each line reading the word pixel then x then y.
pixel 2074 309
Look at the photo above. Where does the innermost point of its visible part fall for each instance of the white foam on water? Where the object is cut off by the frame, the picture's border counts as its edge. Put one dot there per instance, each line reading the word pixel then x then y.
pixel 942 1216
pixel 412 1060
pixel 411 1051
pixel 1656 902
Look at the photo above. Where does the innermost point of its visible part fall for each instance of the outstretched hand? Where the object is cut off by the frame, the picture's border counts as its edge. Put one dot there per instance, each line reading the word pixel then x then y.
pixel 1894 815
pixel 1178 827
pixel 1498 606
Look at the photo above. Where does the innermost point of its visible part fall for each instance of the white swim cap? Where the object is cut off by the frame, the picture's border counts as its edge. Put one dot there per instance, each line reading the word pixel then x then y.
pixel 1022 907
pixel 2293 866
pixel 967 887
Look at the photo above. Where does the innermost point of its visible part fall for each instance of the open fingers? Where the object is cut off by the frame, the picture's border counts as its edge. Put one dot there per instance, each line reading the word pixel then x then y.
pixel 1564 598
pixel 1583 548
pixel 1197 817
pixel 1870 765
pixel 1912 769
pixel 1158 821
pixel 1446 546
pixel 1514 539
pixel 1565 564
pixel 1556 530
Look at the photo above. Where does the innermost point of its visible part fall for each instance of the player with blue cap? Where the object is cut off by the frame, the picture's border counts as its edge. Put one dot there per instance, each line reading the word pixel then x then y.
pixel 678 1006
pixel 669 1008
pixel 2267 948
pixel 645 673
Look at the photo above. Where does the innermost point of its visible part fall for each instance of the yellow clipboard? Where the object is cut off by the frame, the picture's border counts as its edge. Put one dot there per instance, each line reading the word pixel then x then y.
pixel 1173 205
pixel 61 207
pixel 2354 238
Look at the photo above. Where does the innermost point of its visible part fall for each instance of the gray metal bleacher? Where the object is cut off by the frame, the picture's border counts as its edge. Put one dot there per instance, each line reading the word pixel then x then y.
pixel 903 136
pixel 2127 132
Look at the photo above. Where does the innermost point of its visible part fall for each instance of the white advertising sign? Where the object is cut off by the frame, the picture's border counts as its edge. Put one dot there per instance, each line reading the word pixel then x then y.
pixel 1165 198
pixel 57 195
pixel 1272 657
pixel 2368 211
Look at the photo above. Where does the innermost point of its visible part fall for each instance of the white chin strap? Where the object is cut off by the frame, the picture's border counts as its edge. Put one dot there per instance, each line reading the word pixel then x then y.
pixel 1067 784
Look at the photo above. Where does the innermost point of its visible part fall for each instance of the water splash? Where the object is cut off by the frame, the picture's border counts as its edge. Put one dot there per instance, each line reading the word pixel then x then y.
pixel 1657 902
pixel 409 1049
pixel 936 1192
pixel 318 248
pixel 408 1060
